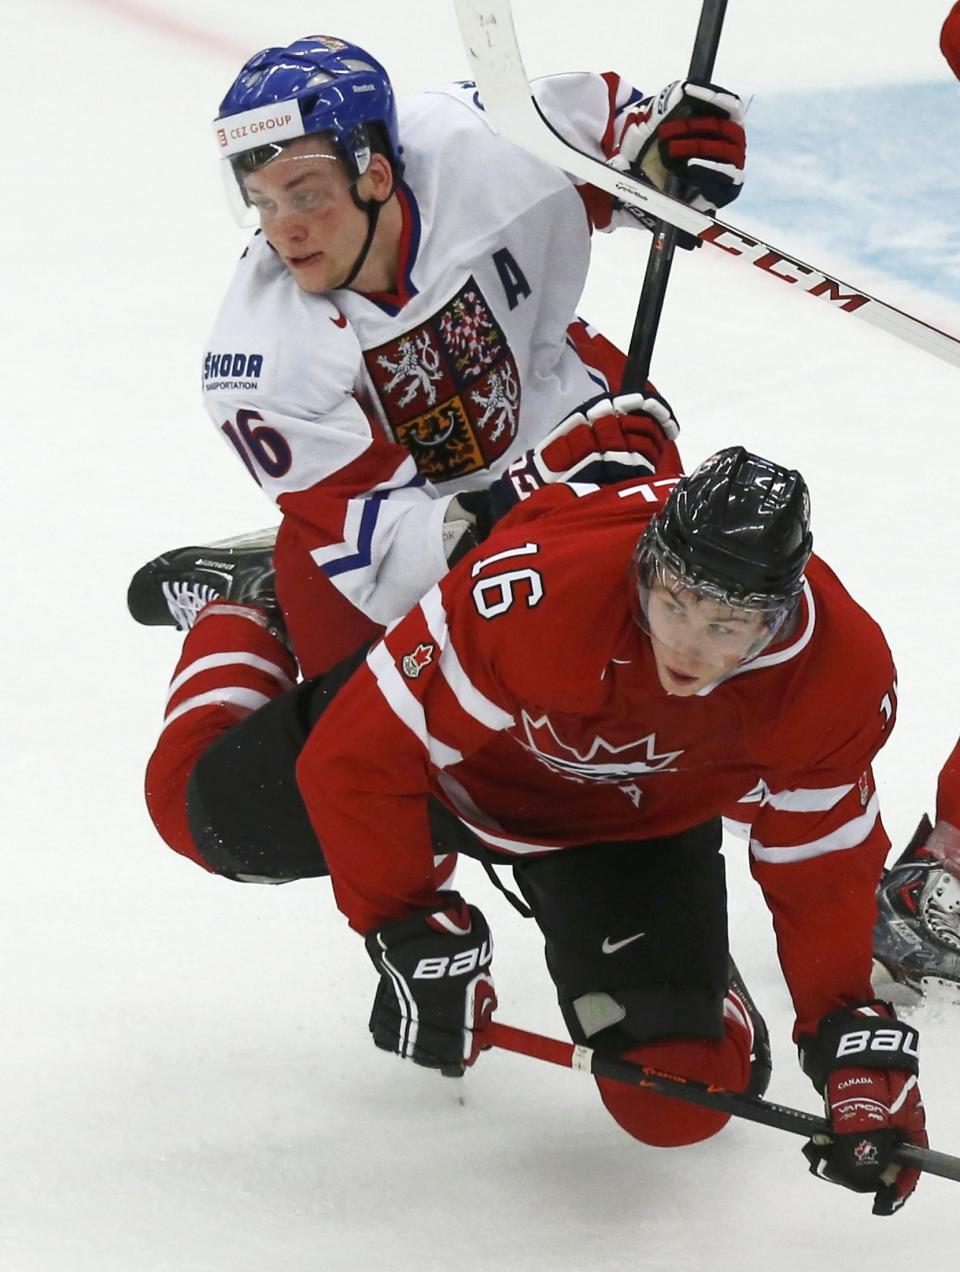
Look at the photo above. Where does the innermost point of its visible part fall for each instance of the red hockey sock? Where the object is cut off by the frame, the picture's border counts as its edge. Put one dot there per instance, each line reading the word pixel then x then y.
pixel 231 664
pixel 666 1123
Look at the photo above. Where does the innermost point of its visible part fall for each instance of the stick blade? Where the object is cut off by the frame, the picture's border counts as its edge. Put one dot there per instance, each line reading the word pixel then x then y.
pixel 490 40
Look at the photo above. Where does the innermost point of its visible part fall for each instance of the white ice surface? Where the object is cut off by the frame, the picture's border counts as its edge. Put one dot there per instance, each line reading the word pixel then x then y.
pixel 187 1080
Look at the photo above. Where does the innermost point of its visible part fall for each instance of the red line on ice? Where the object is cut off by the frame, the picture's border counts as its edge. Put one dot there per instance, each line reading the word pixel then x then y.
pixel 173 27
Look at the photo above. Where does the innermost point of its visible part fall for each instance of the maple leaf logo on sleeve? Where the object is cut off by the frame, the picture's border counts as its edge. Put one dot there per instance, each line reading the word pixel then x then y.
pixel 412 664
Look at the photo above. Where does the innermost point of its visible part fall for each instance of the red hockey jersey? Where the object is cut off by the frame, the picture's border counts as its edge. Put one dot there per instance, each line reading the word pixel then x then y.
pixel 522 693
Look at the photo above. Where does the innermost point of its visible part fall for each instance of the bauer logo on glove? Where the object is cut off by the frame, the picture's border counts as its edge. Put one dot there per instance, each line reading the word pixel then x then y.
pixel 436 992
pixel 864 1062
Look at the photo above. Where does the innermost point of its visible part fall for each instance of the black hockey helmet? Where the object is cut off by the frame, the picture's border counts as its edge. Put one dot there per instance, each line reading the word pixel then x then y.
pixel 737 527
pixel 736 531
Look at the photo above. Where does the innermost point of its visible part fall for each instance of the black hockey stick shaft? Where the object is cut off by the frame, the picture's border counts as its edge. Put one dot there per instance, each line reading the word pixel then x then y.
pixel 660 260
pixel 584 1059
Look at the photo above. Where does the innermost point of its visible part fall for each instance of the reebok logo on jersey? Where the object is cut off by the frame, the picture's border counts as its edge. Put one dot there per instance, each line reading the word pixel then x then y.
pixel 611 947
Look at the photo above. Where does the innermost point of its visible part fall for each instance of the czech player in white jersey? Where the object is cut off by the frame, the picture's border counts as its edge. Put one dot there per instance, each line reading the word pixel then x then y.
pixel 403 326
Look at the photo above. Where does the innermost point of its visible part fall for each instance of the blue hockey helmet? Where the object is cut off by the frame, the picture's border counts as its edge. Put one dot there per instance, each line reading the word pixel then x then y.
pixel 318 84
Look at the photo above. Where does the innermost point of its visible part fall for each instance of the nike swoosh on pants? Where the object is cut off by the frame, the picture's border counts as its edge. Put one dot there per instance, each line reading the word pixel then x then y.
pixel 611 947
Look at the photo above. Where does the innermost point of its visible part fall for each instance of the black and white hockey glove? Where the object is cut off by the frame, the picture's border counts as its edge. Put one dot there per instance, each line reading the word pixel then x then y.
pixel 694 131
pixel 436 992
pixel 864 1063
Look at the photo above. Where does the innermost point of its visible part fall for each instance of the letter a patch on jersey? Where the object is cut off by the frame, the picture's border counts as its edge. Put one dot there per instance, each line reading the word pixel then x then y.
pixel 450 388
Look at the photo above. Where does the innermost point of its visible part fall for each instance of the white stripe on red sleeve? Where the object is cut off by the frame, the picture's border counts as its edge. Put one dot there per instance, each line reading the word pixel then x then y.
pixel 227 659
pixel 407 708
pixel 799 800
pixel 473 702
pixel 850 835
pixel 246 699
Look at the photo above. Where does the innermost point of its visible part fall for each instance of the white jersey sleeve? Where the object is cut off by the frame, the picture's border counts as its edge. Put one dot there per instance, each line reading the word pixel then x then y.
pixel 590 112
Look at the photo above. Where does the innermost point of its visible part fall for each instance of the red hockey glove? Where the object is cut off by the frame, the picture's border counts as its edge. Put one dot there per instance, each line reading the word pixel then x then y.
pixel 607 440
pixel 436 992
pixel 693 130
pixel 864 1062
pixel 950 39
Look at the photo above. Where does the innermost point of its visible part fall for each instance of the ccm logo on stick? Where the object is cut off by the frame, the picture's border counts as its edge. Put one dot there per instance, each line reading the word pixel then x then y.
pixel 785 267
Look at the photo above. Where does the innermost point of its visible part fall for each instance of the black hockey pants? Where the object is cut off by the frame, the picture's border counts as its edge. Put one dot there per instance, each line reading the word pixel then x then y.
pixel 635 932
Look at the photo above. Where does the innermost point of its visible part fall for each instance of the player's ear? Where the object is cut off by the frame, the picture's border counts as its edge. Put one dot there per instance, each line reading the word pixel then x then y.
pixel 378 179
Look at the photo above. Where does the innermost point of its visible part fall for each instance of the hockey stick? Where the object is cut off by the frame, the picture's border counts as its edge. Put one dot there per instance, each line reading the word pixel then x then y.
pixel 491 44
pixel 584 1059
pixel 660 259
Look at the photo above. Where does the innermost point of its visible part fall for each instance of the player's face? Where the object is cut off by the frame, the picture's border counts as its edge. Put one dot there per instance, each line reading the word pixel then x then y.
pixel 697 640
pixel 306 210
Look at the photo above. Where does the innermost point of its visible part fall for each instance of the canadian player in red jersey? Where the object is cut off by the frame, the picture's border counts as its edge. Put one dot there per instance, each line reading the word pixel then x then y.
pixel 587 693
pixel 917 939
pixel 220 784
pixel 944 842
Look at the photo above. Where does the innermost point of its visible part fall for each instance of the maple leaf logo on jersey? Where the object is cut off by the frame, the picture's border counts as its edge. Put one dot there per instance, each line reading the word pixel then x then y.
pixel 601 761
pixel 864 787
pixel 414 663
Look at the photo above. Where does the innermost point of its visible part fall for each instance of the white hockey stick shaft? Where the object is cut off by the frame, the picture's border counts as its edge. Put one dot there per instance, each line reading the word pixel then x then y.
pixel 491 44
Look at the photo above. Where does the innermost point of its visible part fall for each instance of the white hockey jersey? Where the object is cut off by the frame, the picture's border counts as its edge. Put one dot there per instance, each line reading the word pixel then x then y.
pixel 361 415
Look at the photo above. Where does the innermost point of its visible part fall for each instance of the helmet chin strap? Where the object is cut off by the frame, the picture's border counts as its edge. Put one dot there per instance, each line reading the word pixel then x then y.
pixel 373 210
